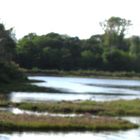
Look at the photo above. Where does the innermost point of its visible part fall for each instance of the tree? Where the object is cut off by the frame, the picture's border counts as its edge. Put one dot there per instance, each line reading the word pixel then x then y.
pixel 135 46
pixel 27 52
pixel 114 28
pixel 115 25
pixel 87 59
pixel 9 71
pixel 91 54
pixel 116 60
pixel 7 44
pixel 135 52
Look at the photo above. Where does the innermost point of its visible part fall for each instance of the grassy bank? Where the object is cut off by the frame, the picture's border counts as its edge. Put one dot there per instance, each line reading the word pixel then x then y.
pixel 84 73
pixel 10 122
pixel 111 108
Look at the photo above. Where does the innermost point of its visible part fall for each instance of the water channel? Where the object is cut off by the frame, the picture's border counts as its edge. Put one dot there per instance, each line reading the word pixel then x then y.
pixel 73 88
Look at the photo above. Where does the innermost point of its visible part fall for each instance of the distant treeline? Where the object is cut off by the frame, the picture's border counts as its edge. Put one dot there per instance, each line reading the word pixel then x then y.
pixel 110 51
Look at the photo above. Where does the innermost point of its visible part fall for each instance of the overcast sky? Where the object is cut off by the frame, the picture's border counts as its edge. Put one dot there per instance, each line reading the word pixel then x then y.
pixel 73 17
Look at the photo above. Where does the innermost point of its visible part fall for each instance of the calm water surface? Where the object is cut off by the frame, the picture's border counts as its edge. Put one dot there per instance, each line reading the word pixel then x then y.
pixel 73 88
pixel 120 135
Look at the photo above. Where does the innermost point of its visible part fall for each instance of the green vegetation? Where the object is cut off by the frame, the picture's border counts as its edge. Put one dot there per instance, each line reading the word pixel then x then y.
pixel 3 101
pixel 25 87
pixel 9 71
pixel 110 108
pixel 110 51
pixel 12 77
pixel 10 122
pixel 97 55
pixel 84 73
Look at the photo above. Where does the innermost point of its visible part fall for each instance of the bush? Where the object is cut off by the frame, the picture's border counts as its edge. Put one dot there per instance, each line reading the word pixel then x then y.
pixel 10 72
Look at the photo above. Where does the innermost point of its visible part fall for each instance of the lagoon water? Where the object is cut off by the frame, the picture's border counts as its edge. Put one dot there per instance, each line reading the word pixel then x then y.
pixel 73 88
pixel 120 135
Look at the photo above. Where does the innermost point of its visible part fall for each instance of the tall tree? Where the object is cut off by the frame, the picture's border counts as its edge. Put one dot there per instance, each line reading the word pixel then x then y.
pixel 115 25
pixel 114 28
pixel 7 44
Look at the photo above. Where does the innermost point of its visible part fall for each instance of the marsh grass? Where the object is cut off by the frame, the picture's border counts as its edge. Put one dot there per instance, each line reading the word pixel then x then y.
pixel 10 122
pixel 85 73
pixel 24 122
pixel 110 108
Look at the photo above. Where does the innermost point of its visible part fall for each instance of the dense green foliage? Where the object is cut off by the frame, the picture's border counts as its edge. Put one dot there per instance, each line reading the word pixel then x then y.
pixel 9 71
pixel 109 51
pixel 7 44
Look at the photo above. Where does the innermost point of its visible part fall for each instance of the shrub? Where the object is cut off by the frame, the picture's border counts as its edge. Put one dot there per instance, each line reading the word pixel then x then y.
pixel 10 72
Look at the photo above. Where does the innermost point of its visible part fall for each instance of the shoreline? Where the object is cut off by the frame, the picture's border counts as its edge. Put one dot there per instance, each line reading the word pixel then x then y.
pixel 84 74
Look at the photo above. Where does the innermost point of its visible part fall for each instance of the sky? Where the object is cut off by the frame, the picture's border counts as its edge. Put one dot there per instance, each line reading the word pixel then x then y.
pixel 72 17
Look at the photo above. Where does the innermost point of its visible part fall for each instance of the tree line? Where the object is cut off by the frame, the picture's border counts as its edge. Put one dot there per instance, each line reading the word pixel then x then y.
pixel 110 51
